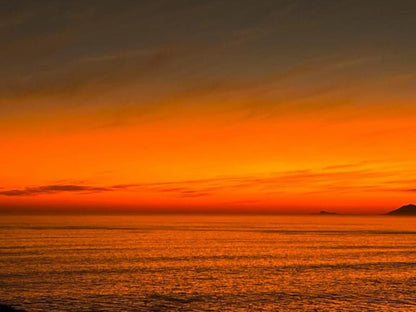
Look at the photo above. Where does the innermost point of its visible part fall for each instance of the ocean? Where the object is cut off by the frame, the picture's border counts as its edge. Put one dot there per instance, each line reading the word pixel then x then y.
pixel 208 263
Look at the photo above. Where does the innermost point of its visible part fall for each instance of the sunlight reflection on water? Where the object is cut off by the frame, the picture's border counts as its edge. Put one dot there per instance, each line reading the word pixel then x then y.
pixel 208 263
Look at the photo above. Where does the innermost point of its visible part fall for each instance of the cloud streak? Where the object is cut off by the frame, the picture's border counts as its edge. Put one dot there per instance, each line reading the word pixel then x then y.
pixel 343 178
pixel 52 189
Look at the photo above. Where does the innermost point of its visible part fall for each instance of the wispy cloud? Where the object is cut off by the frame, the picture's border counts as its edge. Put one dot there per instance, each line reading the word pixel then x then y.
pixel 51 189
pixel 89 74
pixel 186 52
pixel 342 178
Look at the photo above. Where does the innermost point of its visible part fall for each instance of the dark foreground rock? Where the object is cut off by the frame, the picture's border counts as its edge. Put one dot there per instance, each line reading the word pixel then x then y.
pixel 408 210
pixel 6 308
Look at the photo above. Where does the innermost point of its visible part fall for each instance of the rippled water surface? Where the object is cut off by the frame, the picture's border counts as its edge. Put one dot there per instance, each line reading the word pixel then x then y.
pixel 208 263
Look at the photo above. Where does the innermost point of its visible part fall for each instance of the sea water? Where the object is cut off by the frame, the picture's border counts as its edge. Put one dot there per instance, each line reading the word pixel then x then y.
pixel 208 263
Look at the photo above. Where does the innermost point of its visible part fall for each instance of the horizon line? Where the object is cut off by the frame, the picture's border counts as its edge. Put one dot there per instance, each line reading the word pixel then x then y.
pixel 185 212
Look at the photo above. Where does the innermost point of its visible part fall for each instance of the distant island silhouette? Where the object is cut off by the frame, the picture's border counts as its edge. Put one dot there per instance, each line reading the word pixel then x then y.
pixel 6 308
pixel 408 210
pixel 324 212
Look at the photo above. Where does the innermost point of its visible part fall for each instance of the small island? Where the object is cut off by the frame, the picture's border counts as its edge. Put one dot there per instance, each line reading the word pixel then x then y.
pixel 324 212
pixel 408 210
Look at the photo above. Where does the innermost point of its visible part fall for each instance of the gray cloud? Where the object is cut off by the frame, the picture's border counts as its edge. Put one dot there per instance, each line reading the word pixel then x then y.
pixel 196 48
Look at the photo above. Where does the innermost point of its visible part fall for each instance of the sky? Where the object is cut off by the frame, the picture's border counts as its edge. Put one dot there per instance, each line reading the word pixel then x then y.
pixel 260 106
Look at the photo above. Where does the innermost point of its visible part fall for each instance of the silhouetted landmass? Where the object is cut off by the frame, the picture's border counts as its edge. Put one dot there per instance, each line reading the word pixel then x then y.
pixel 323 212
pixel 6 308
pixel 408 210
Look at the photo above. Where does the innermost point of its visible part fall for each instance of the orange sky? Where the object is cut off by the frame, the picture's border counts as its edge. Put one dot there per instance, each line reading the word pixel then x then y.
pixel 243 120
pixel 215 162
